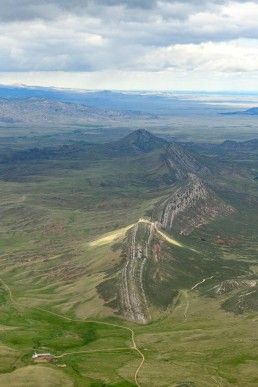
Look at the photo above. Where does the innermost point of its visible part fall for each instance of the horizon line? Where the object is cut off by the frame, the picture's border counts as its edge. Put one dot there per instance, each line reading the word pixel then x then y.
pixel 23 85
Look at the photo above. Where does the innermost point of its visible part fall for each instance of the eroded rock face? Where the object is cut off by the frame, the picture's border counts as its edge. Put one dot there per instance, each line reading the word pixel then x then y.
pixel 190 206
pixel 181 162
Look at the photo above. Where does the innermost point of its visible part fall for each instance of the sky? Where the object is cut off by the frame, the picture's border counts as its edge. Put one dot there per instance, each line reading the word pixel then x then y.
pixel 130 44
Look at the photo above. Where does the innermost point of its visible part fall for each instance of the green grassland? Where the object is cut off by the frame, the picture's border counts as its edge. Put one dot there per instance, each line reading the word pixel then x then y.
pixel 63 225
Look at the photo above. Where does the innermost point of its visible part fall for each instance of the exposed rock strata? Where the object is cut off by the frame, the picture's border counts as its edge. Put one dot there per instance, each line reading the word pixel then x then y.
pixel 134 301
pixel 190 206
pixel 181 162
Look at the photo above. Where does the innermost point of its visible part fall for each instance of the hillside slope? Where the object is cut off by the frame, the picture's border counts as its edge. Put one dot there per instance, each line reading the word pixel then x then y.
pixel 119 262
pixel 189 205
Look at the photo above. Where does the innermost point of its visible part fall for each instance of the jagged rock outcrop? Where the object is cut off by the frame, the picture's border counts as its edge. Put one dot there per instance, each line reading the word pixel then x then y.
pixel 190 206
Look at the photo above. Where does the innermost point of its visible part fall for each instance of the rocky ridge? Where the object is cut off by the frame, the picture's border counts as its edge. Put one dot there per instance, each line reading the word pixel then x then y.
pixel 190 206
pixel 180 162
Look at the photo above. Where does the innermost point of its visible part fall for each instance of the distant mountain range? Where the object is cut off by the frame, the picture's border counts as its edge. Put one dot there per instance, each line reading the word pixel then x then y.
pixel 111 100
pixel 249 112
pixel 228 146
pixel 239 146
pixel 45 110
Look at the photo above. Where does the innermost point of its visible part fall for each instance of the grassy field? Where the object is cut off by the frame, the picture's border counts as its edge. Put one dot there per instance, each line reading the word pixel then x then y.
pixel 196 343
pixel 63 225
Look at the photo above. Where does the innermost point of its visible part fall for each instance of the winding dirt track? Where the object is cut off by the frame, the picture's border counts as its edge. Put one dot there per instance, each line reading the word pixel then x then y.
pixel 201 282
pixel 9 291
pixel 134 346
pixel 185 293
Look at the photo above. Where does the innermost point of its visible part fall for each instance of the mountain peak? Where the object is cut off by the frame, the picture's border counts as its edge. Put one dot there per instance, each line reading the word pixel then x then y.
pixel 144 140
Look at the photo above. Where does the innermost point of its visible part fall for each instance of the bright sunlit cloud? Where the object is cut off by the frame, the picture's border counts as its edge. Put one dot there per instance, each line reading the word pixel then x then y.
pixel 175 44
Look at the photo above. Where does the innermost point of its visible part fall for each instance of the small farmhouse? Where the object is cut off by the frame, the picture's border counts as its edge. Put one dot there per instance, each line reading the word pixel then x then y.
pixel 38 357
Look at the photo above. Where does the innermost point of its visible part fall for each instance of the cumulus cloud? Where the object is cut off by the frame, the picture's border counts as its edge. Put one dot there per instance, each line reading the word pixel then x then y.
pixel 210 56
pixel 129 35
